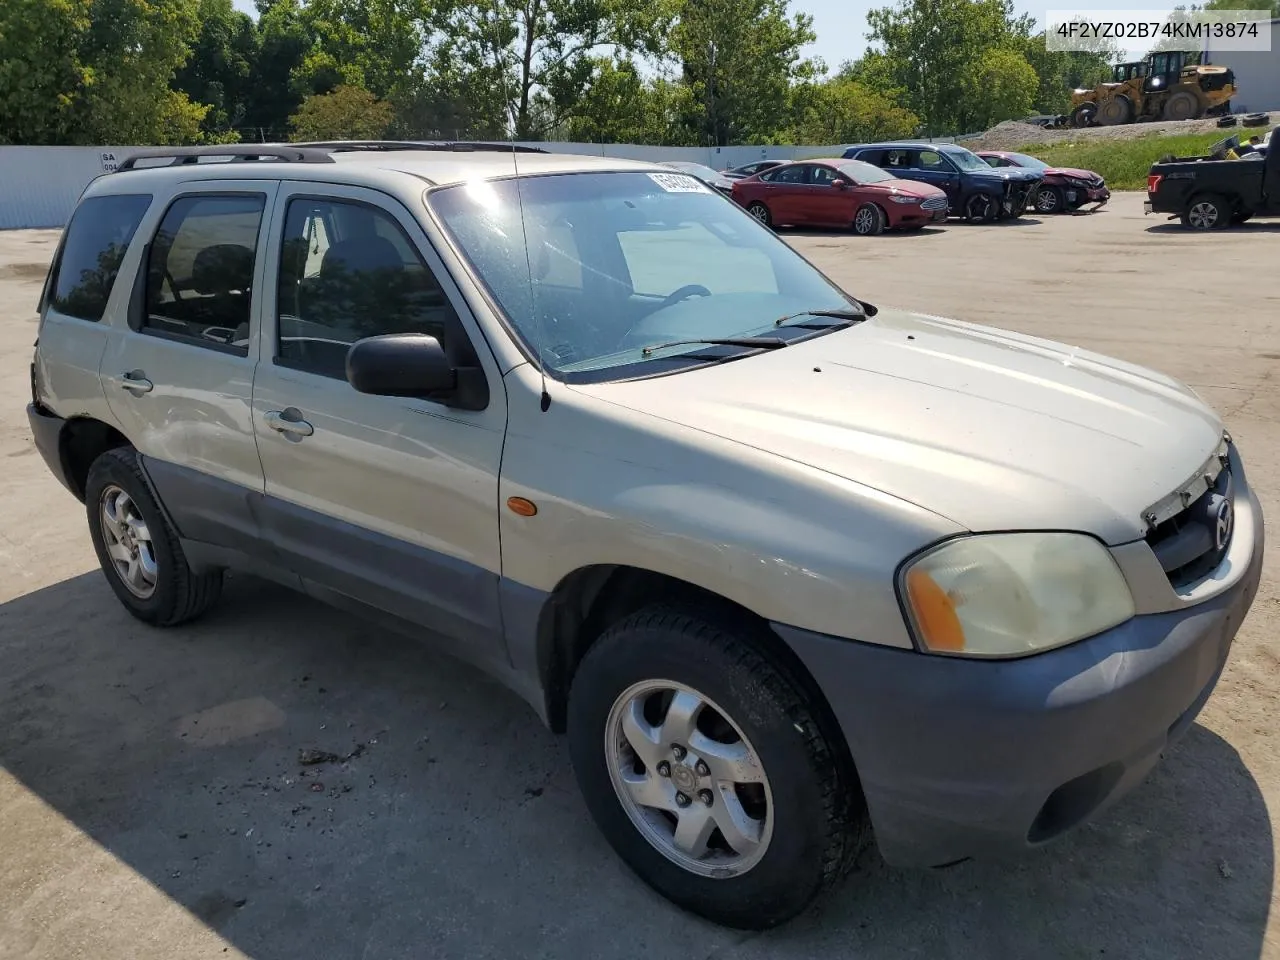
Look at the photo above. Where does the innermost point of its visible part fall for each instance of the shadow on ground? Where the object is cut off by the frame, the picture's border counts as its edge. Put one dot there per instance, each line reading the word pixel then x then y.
pixel 454 827
pixel 1174 226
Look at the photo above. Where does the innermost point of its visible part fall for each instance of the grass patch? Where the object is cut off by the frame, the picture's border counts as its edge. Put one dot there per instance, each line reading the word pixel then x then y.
pixel 1124 162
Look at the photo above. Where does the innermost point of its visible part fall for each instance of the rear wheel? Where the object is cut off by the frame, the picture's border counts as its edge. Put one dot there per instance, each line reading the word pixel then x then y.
pixel 1181 105
pixel 1050 200
pixel 869 220
pixel 761 213
pixel 1084 115
pixel 1117 110
pixel 137 547
pixel 1207 212
pixel 707 770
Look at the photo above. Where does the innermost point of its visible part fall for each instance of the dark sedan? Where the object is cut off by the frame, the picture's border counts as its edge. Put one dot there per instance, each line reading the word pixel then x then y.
pixel 1062 190
pixel 751 169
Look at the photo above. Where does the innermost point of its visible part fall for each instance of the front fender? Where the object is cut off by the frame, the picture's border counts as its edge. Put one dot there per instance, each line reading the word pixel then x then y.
pixel 791 543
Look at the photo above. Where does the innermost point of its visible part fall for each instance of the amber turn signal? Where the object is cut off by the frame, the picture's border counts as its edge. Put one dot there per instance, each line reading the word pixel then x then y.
pixel 935 613
pixel 521 506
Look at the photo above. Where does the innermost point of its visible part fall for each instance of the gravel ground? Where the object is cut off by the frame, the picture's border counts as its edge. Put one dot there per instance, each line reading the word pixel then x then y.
pixel 284 782
pixel 1012 134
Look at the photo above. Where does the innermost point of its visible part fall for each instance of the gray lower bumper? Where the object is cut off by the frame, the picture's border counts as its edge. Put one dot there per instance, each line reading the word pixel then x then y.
pixel 962 758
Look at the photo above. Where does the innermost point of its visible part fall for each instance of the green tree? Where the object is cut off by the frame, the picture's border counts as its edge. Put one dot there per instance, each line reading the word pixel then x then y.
pixel 283 43
pixel 536 56
pixel 41 73
pixel 739 59
pixel 1272 5
pixel 999 85
pixel 844 110
pixel 220 71
pixel 345 113
pixel 620 106
pixel 1060 72
pixel 930 47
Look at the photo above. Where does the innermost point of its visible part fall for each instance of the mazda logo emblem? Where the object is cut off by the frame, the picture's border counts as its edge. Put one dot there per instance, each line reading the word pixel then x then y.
pixel 1222 528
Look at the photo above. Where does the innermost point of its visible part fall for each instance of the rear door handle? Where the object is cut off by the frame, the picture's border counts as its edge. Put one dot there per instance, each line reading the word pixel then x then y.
pixel 288 422
pixel 134 382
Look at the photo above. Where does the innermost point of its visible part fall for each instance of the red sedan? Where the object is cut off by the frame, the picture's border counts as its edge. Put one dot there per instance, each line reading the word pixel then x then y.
pixel 839 193
pixel 1062 190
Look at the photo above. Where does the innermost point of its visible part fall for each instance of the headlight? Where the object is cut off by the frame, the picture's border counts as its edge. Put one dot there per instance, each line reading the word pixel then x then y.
pixel 1010 594
pixel 900 198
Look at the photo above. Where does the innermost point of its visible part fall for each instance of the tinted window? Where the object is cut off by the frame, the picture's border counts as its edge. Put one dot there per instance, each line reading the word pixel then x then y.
pixel 824 176
pixel 200 271
pixel 896 159
pixel 792 173
pixel 348 271
pixel 96 241
pixel 875 157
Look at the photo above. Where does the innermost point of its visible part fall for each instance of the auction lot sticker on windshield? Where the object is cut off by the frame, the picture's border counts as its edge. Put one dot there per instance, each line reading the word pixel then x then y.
pixel 678 182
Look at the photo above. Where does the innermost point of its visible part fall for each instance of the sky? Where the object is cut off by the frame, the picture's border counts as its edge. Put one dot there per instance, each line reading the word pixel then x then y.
pixel 841 25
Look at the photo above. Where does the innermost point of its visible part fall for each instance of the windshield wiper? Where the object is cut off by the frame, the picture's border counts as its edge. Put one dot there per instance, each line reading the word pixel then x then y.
pixel 849 314
pixel 766 343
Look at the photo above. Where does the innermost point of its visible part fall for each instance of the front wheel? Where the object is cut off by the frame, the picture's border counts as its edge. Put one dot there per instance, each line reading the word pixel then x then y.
pixel 1207 212
pixel 707 769
pixel 980 208
pixel 761 213
pixel 869 221
pixel 1050 200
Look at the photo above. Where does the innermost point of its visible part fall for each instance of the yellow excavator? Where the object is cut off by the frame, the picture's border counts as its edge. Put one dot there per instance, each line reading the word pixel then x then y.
pixel 1171 85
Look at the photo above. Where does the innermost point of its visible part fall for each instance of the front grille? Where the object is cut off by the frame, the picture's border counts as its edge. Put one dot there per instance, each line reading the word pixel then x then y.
pixel 1191 542
pixel 934 203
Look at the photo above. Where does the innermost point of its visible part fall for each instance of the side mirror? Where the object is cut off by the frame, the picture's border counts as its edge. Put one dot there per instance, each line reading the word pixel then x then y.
pixel 414 365
pixel 840 184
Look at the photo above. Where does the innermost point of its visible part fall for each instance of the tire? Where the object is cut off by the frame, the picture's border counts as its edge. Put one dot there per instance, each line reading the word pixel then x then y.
pixel 1050 200
pixel 1182 105
pixel 761 213
pixel 164 590
pixel 1227 121
pixel 812 822
pixel 1084 115
pixel 1116 111
pixel 869 220
pixel 981 208
pixel 1255 120
pixel 1208 211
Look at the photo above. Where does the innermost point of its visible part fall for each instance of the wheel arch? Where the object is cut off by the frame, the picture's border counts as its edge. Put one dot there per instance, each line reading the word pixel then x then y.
pixel 588 600
pixel 81 441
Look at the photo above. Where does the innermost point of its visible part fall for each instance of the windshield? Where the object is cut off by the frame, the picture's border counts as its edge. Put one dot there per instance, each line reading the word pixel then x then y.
pixel 1022 160
pixel 966 160
pixel 605 264
pixel 861 172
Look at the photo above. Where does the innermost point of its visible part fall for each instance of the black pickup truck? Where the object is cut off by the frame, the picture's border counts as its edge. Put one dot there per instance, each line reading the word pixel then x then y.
pixel 1216 191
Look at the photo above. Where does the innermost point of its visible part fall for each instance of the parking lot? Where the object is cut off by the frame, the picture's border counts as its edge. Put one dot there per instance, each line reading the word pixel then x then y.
pixel 153 803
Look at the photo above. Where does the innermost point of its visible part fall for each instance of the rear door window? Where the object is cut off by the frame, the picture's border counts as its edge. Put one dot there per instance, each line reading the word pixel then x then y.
pixel 200 270
pixel 897 160
pixel 95 243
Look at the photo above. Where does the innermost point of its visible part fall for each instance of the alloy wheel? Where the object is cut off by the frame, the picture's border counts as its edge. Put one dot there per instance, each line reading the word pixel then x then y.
pixel 128 542
pixel 1203 215
pixel 688 779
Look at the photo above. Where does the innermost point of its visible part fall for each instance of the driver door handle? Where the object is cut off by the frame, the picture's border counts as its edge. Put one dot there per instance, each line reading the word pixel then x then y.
pixel 288 422
pixel 134 382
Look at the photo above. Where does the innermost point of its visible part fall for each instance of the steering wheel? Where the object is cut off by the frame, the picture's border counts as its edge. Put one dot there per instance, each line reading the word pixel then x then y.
pixel 684 293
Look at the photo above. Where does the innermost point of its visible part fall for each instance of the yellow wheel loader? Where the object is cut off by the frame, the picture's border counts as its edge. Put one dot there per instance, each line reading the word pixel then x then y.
pixel 1172 85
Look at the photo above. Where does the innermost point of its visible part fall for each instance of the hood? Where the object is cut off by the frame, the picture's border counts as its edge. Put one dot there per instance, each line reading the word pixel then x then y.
pixel 1009 173
pixel 1075 172
pixel 915 188
pixel 991 430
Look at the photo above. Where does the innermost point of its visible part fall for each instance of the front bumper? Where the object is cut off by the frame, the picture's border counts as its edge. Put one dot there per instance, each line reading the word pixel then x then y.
pixel 960 758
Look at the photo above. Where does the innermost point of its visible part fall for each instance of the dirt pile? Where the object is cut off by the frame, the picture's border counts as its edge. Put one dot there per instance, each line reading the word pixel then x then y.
pixel 1012 134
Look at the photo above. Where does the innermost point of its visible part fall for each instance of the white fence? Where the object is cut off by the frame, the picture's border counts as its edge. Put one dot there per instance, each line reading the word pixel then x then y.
pixel 39 186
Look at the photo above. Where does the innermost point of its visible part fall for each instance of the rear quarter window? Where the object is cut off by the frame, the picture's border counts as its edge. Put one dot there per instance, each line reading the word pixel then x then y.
pixel 88 261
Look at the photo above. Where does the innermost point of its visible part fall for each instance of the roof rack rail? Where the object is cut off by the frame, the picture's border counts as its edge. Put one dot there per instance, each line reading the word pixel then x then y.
pixel 235 153
pixel 462 146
